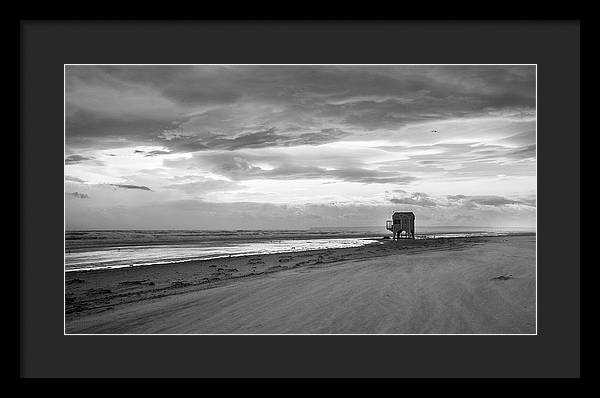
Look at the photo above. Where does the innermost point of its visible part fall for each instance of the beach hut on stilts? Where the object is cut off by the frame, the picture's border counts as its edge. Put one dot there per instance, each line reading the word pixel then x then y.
pixel 402 225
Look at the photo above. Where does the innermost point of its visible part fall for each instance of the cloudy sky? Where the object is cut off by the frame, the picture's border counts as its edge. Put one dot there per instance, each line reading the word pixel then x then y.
pixel 292 147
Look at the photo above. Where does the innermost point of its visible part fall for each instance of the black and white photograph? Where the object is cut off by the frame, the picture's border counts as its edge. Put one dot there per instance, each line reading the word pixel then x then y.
pixel 300 199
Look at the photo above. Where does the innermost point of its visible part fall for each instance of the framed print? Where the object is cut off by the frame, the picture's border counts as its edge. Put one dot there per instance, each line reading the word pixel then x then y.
pixel 334 205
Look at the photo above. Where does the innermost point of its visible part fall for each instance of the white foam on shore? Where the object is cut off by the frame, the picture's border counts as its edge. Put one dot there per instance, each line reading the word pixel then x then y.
pixel 132 256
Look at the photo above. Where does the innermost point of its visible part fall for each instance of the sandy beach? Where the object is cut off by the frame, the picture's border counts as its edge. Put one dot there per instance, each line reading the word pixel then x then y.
pixel 454 285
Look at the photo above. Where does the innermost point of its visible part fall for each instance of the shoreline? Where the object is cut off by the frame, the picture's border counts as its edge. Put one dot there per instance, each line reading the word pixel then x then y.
pixel 220 257
pixel 75 245
pixel 376 240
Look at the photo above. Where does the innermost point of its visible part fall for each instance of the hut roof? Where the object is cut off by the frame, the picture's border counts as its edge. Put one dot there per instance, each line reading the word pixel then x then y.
pixel 404 213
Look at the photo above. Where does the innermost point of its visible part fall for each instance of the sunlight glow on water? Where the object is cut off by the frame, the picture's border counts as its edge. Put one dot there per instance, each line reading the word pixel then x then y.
pixel 129 256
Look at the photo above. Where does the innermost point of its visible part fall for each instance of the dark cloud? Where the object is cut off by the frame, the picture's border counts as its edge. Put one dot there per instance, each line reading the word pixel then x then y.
pixel 73 159
pixel 414 199
pixel 456 197
pixel 78 195
pixel 182 83
pixel 157 152
pixel 128 186
pixel 74 179
pixel 222 103
pixel 492 200
pixel 241 166
pixel 528 152
pixel 529 201
pixel 240 169
pixel 84 127
pixel 152 153
pixel 258 139
pixel 488 200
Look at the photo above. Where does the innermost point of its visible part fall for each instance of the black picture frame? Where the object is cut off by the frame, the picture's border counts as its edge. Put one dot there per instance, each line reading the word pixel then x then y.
pixel 45 46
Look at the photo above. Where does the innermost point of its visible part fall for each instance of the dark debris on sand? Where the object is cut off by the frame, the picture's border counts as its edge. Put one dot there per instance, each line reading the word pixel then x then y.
pixel 503 277
pixel 74 281
pixel 139 282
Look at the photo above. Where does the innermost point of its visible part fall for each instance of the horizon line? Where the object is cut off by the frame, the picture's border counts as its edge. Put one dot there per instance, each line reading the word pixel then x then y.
pixel 288 229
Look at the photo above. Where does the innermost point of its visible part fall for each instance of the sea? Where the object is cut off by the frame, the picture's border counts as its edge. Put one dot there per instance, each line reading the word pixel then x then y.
pixel 109 249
